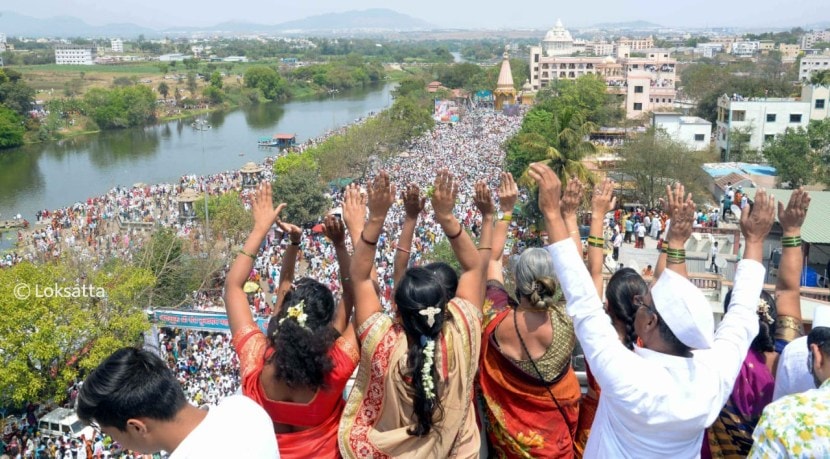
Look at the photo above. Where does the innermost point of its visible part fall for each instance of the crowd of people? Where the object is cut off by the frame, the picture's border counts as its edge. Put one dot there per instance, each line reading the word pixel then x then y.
pixel 449 364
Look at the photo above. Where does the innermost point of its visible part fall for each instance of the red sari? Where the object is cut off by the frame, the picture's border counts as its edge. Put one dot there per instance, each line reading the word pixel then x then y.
pixel 534 427
pixel 321 415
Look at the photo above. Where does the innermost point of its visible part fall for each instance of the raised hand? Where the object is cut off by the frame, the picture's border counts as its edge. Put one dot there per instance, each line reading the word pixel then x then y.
pixel 682 214
pixel 334 229
pixel 508 192
pixel 445 191
pixel 550 188
pixel 381 195
pixel 756 220
pixel 603 199
pixel 295 233
pixel 572 198
pixel 413 203
pixel 354 208
pixel 483 199
pixel 792 218
pixel 262 206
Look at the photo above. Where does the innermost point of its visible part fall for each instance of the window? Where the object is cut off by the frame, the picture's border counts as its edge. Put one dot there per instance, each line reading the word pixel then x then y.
pixel 535 58
pixel 769 137
pixel 700 137
pixel 738 115
pixel 795 118
pixel 638 89
pixel 770 117
pixel 820 103
pixel 638 106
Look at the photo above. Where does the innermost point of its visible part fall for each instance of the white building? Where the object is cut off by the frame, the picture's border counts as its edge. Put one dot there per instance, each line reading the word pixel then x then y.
pixel 810 39
pixel 172 57
pixel 117 45
pixel 600 49
pixel 558 41
pixel 745 48
pixel 810 64
pixel 819 99
pixel 708 49
pixel 764 118
pixel 75 55
pixel 2 42
pixel 694 132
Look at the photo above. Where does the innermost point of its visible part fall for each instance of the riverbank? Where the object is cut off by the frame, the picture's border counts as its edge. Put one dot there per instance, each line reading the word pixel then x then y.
pixel 48 175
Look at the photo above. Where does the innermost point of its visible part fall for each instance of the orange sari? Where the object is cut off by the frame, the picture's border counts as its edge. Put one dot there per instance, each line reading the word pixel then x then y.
pixel 533 427
pixel 321 415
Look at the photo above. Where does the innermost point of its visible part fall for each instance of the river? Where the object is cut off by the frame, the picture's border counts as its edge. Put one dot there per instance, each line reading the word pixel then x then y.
pixel 56 174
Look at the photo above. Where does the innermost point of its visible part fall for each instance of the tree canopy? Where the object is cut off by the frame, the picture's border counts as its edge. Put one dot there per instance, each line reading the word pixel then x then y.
pixel 46 340
pixel 267 80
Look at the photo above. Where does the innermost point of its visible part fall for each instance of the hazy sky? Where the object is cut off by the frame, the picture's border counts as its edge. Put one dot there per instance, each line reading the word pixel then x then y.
pixel 459 13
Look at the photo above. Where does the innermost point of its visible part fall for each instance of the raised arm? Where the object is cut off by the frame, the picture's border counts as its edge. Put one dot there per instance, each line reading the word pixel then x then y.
pixel 571 199
pixel 445 192
pixel 682 214
pixel 381 195
pixel 788 286
pixel 413 205
pixel 335 231
pixel 289 261
pixel 602 201
pixel 236 301
pixel 483 201
pixel 354 216
pixel 508 193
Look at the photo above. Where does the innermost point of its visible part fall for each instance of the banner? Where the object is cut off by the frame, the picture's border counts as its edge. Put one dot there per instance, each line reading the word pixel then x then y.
pixel 446 111
pixel 199 320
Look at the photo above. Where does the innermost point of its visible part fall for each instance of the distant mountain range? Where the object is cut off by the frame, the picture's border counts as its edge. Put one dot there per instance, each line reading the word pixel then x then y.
pixel 378 19
pixel 628 25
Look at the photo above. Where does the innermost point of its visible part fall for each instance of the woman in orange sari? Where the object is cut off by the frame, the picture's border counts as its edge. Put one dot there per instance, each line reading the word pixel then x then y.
pixel 526 354
pixel 298 371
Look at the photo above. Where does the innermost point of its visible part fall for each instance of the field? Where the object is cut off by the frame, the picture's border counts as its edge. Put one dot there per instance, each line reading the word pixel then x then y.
pixel 50 81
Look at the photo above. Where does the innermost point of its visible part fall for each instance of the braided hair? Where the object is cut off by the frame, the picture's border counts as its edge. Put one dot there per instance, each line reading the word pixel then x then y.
pixel 623 286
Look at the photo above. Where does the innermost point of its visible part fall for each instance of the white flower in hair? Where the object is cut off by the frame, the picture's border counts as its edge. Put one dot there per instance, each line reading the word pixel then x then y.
pixel 430 313
pixel 426 374
pixel 296 312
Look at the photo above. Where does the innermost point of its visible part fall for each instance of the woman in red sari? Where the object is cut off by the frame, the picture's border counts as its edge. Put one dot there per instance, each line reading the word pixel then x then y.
pixel 298 371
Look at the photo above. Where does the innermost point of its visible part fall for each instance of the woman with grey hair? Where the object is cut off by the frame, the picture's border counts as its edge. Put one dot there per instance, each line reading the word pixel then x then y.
pixel 526 355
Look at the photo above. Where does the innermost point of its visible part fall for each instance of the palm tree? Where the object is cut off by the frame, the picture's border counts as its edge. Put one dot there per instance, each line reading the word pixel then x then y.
pixel 820 78
pixel 570 145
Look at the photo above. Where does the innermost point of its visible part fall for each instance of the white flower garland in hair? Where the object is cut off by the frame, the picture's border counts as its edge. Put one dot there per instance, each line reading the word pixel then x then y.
pixel 426 373
pixel 297 313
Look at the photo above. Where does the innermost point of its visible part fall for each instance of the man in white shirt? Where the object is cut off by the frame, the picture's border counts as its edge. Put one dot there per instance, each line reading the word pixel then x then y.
pixel 793 376
pixel 134 398
pixel 657 400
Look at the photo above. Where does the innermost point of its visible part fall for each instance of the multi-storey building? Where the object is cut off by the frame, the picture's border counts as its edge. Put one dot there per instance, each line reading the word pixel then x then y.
pixel 764 119
pixel 811 38
pixel 789 53
pixel 636 44
pixel 646 82
pixel 75 55
pixel 117 45
pixel 745 48
pixel 810 64
pixel 599 48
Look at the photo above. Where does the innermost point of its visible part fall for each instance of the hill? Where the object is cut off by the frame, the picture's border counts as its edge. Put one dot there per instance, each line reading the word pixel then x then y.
pixel 19 25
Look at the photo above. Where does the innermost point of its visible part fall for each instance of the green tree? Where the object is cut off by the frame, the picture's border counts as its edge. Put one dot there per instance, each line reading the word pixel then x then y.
pixel 792 156
pixel 192 85
pixel 47 340
pixel 121 107
pixel 267 80
pixel 214 94
pixel 287 163
pixel 216 80
pixel 653 160
pixel 304 194
pixel 11 128
pixel 164 89
pixel 739 146
pixel 228 215
pixel 163 255
pixel 14 92
pixel 820 78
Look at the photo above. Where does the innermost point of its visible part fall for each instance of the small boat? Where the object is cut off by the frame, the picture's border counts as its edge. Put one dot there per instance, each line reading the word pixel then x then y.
pixel 201 125
pixel 278 140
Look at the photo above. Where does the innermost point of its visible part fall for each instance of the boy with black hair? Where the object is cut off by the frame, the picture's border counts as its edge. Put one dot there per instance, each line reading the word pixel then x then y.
pixel 136 399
